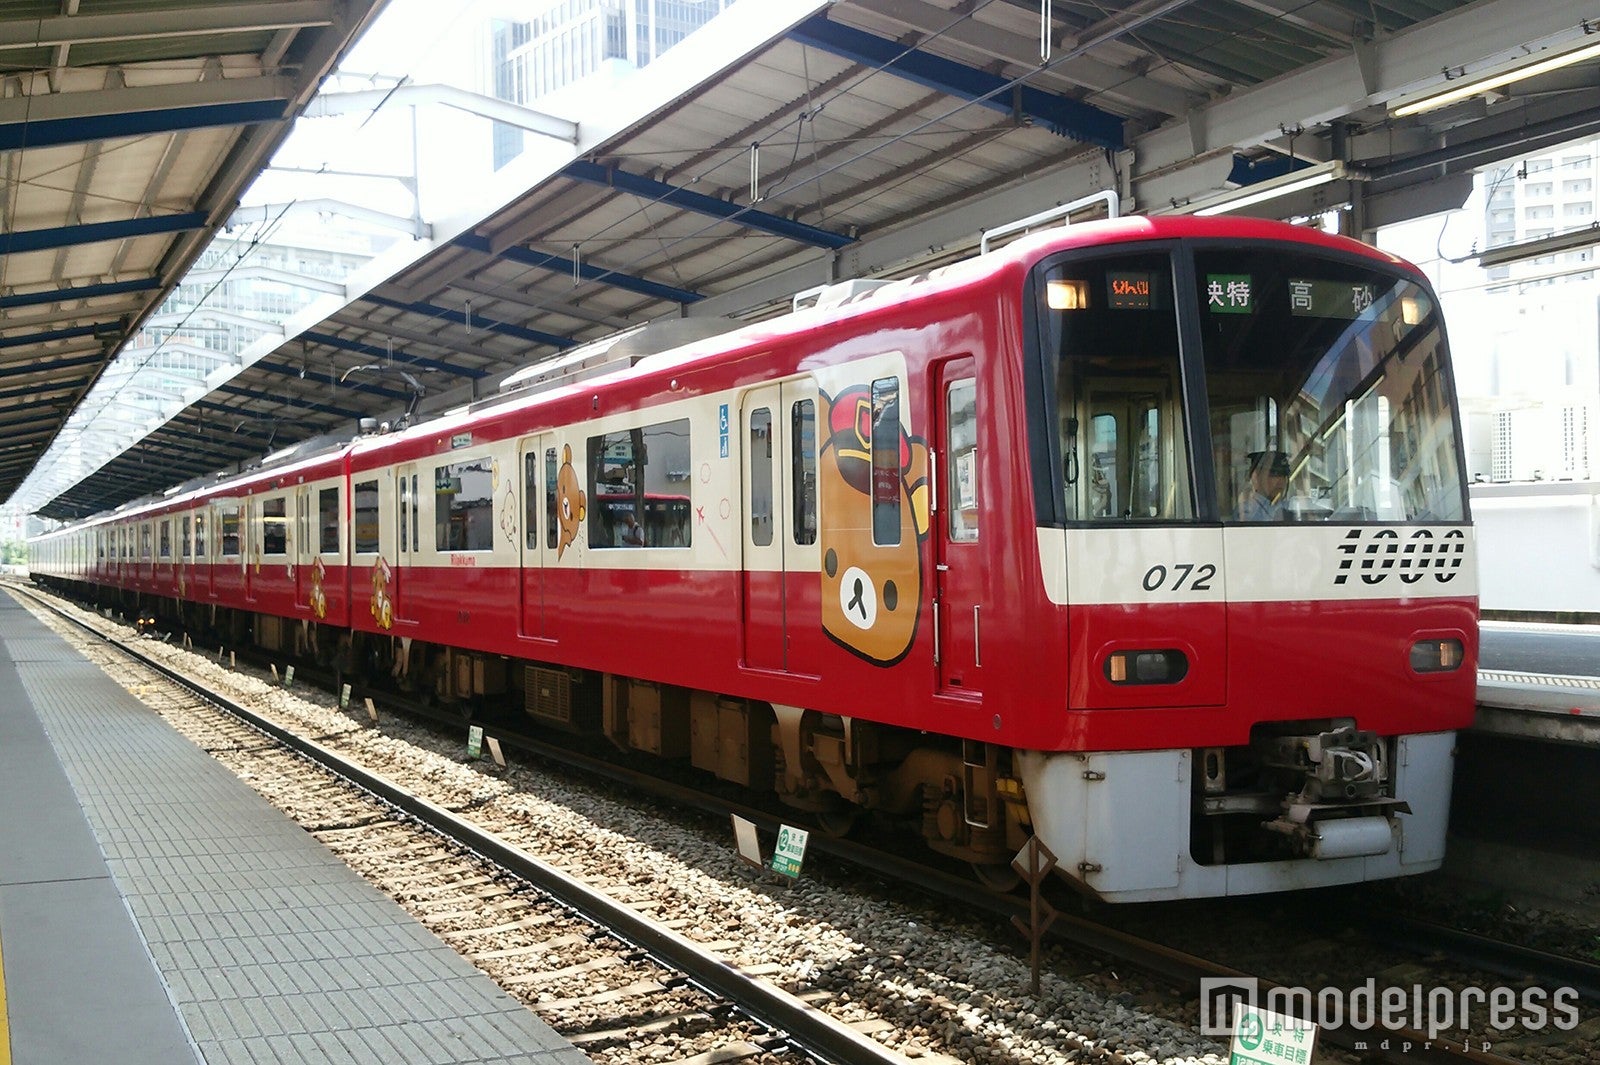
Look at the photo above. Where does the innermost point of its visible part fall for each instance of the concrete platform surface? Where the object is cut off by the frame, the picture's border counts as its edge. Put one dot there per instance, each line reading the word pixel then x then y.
pixel 154 909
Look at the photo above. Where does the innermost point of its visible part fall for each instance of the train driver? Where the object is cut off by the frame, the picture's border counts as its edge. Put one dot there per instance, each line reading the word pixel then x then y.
pixel 1269 476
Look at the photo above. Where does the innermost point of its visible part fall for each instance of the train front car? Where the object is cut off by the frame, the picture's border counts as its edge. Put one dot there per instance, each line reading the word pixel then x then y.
pixel 1250 499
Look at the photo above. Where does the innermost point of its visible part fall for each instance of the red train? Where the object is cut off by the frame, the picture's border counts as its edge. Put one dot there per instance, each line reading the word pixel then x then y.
pixel 1148 537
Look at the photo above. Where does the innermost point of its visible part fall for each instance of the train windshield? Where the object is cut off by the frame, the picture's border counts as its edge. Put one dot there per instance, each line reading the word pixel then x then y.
pixel 1320 390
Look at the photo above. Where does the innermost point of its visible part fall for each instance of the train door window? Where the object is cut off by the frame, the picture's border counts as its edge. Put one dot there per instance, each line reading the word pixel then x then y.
pixel 275 526
pixel 328 521
pixel 463 506
pixel 551 525
pixel 1110 333
pixel 416 513
pixel 164 541
pixel 364 536
pixel 302 521
pixel 200 535
pixel 638 494
pixel 188 537
pixel 531 499
pixel 803 470
pixel 961 450
pixel 229 520
pixel 886 476
pixel 100 543
pixel 145 552
pixel 405 513
pixel 761 468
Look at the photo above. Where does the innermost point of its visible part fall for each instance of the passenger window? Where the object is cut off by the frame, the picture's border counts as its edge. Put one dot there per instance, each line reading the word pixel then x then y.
pixel 463 506
pixel 274 526
pixel 961 422
pixel 803 474
pixel 328 521
pixel 638 482
pixel 551 471
pixel 230 530
pixel 364 537
pixel 886 471
pixel 761 466
pixel 530 499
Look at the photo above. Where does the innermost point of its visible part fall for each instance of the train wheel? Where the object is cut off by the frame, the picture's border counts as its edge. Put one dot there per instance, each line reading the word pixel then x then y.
pixel 996 877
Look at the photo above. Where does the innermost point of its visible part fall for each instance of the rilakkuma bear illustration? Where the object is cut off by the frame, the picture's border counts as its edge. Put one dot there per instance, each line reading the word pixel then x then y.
pixel 319 599
pixel 871 579
pixel 381 605
pixel 570 502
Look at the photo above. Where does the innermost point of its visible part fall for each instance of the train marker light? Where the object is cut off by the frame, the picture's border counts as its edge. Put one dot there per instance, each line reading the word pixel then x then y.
pixel 1437 656
pixel 1167 666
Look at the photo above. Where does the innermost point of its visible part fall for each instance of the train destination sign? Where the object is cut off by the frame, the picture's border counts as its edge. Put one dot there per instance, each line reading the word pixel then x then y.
pixel 1309 298
pixel 1128 291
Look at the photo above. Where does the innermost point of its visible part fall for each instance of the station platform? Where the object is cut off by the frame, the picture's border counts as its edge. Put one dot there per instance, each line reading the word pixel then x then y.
pixel 154 909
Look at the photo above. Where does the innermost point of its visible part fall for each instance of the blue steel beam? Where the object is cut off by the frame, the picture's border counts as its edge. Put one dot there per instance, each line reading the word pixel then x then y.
pixel 294 371
pixel 92 329
pixel 561 265
pixel 1059 114
pixel 488 325
pixel 52 133
pixel 700 203
pixel 320 408
pixel 82 292
pixel 27 368
pixel 373 351
pixel 94 232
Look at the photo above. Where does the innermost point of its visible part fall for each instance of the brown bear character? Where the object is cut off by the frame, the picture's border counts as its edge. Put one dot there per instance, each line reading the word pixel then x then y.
pixel 874 519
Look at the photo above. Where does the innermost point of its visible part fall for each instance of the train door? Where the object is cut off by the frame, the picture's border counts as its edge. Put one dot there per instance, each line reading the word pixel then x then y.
pixel 302 546
pixel 539 469
pixel 205 549
pixel 249 547
pixel 958 565
pixel 777 434
pixel 408 525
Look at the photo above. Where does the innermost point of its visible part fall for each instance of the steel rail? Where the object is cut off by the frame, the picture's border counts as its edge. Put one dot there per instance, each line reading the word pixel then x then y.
pixel 793 1020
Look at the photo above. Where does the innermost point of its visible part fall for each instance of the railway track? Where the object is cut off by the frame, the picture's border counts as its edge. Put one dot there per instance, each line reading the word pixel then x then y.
pixel 504 899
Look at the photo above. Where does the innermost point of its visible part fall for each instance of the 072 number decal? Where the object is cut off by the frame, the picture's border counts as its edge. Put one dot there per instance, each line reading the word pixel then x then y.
pixel 1156 577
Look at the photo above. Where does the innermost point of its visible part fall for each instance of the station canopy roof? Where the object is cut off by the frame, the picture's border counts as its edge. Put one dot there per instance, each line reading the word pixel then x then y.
pixel 153 331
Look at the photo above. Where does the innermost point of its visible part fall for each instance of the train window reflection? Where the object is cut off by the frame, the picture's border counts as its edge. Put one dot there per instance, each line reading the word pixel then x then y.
pixel 1329 399
pixel 364 531
pixel 463 506
pixel 803 474
pixel 638 487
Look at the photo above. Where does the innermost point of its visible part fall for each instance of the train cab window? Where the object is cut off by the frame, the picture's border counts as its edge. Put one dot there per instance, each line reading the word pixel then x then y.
pixel 364 533
pixel 803 470
pixel 200 535
pixel 275 526
pixel 638 487
pixel 761 469
pixel 886 476
pixel 463 506
pixel 1327 390
pixel 1110 333
pixel 228 519
pixel 328 521
pixel 164 542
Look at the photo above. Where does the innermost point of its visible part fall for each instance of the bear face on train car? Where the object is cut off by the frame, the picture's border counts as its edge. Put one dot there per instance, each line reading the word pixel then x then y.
pixel 571 503
pixel 874 518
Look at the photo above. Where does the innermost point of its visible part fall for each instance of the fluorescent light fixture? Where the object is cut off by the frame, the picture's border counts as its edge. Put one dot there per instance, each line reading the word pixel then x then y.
pixel 1494 81
pixel 1284 185
pixel 1572 240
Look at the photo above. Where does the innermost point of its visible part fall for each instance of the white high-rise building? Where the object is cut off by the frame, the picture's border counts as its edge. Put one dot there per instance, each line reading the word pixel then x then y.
pixel 535 50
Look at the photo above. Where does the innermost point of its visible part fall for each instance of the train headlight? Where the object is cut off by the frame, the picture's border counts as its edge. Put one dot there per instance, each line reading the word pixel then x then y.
pixel 1437 656
pixel 1167 666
